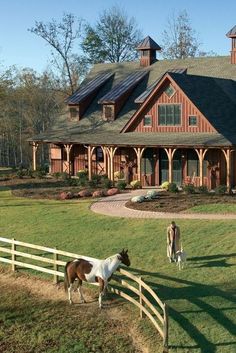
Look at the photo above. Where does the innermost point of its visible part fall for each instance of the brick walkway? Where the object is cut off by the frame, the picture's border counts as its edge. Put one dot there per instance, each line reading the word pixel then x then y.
pixel 115 206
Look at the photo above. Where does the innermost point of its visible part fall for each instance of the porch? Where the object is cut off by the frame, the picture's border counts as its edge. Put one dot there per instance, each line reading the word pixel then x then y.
pixel 151 165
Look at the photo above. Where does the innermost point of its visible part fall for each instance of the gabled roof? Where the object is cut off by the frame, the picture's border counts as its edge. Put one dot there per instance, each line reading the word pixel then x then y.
pixel 214 98
pixel 145 94
pixel 94 129
pixel 232 32
pixel 148 43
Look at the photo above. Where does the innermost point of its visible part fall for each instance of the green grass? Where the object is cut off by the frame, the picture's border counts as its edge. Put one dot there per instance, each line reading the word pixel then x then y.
pixel 31 325
pixel 201 298
pixel 214 208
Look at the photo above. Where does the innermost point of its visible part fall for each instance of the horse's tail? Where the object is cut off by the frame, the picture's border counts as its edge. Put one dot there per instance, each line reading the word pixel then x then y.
pixel 66 278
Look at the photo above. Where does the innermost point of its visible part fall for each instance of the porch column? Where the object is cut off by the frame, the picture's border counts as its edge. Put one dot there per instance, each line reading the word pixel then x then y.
pixel 139 153
pixel 227 154
pixel 170 153
pixel 111 152
pixel 104 158
pixel 90 154
pixel 201 154
pixel 35 147
pixel 68 149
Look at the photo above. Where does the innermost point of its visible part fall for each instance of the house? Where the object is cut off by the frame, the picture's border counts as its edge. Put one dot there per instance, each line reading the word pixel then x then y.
pixel 155 120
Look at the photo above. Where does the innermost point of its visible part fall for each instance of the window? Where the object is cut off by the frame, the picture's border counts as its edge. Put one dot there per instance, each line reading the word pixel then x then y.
pixel 145 52
pixel 147 120
pixel 73 113
pixel 99 155
pixel 108 113
pixel 170 91
pixel 169 114
pixel 192 120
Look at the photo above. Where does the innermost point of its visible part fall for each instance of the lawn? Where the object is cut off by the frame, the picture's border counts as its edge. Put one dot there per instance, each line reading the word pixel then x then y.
pixel 201 298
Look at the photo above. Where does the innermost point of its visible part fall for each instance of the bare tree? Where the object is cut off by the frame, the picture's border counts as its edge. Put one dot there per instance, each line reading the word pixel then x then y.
pixel 113 39
pixel 62 38
pixel 179 38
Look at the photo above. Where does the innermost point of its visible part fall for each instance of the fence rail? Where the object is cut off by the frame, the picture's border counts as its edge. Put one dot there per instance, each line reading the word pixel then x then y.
pixel 155 311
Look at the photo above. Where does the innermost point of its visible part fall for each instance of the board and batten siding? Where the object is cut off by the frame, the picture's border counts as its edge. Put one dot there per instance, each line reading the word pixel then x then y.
pixel 187 109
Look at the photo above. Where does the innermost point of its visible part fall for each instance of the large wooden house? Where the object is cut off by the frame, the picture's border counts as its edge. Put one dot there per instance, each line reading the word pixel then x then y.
pixel 171 120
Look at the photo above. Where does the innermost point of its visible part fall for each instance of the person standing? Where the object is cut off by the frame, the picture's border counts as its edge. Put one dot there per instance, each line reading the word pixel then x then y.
pixel 173 241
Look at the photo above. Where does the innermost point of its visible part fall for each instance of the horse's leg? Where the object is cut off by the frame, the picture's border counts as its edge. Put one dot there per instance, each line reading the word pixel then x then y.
pixel 101 291
pixel 69 293
pixel 82 300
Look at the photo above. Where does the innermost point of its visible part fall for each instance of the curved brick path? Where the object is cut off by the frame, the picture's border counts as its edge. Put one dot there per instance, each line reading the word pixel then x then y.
pixel 115 206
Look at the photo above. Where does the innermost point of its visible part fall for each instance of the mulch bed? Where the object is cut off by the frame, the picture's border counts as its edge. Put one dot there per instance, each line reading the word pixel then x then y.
pixel 170 202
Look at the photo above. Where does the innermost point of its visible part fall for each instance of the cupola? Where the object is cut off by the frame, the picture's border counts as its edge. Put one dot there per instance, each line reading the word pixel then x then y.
pixel 232 34
pixel 148 48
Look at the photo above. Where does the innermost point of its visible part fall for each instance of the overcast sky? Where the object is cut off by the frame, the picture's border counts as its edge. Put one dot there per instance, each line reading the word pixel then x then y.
pixel 211 19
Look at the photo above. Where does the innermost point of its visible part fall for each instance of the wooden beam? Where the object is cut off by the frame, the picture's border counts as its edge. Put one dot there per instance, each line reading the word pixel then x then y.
pixel 68 149
pixel 227 154
pixel 35 147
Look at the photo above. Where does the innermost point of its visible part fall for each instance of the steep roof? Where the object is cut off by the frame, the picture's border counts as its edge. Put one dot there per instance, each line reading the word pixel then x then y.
pixel 148 43
pixel 232 32
pixel 92 128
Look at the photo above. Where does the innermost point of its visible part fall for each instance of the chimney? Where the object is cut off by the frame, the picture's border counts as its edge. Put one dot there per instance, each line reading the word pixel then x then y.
pixel 232 34
pixel 148 48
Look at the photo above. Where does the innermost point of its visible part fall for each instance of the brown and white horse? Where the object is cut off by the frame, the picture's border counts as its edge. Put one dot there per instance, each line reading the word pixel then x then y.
pixel 93 271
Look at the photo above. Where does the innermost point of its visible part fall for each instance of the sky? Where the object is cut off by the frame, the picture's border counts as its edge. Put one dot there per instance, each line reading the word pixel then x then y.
pixel 211 19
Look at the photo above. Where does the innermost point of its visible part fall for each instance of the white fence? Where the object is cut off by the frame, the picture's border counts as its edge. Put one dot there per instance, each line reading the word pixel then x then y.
pixel 155 310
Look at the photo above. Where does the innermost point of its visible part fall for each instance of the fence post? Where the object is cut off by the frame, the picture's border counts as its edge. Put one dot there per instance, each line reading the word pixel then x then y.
pixel 13 256
pixel 165 330
pixel 55 267
pixel 141 314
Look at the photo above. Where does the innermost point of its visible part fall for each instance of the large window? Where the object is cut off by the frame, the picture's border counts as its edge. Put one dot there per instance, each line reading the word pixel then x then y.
pixel 169 114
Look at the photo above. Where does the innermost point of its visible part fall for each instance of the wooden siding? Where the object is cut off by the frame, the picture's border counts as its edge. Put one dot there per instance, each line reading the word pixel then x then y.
pixel 187 109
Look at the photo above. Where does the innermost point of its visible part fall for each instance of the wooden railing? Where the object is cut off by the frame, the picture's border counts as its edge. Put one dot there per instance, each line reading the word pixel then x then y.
pixel 155 310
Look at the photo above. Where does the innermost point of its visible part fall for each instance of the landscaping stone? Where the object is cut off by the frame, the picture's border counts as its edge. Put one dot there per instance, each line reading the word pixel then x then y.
pixel 85 193
pixel 112 192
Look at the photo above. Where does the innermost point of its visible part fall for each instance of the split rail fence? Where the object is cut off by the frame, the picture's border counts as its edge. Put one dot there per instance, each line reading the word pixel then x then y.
pixel 143 297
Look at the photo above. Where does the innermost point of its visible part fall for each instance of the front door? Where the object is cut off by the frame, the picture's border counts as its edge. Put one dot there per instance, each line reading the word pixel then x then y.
pixel 148 163
pixel 164 166
pixel 177 168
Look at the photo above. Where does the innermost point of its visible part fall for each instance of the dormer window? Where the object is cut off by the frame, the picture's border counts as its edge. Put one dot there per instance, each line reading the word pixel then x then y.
pixel 169 91
pixel 73 113
pixel 147 121
pixel 108 112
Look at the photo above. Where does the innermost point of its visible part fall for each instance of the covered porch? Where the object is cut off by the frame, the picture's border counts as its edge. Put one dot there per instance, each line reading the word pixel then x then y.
pixel 151 165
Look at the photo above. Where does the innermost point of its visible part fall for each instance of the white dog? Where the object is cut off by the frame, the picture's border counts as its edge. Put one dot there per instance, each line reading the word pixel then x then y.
pixel 181 258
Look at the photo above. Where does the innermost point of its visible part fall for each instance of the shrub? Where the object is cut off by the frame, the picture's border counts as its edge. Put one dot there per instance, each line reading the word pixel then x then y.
pixel 39 173
pixel 172 187
pixel 135 184
pixel 95 181
pixel 119 174
pixel 56 175
pixel 221 189
pixel 72 182
pixel 20 173
pixel 121 184
pixel 112 192
pixel 153 194
pixel 82 173
pixel 165 185
pixel 203 189
pixel 189 188
pixel 139 198
pixel 105 182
